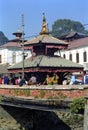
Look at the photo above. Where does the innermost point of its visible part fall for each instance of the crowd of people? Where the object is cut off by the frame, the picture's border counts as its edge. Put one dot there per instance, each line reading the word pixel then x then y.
pixel 75 80
pixel 49 80
pixel 13 80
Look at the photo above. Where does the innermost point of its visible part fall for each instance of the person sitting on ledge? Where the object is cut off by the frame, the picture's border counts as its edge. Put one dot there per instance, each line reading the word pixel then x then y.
pixel 48 80
pixel 32 80
pixel 73 79
pixel 22 82
pixel 84 78
pixel 55 78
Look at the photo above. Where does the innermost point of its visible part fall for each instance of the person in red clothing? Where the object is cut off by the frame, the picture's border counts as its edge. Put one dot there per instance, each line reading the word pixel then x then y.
pixel 16 81
pixel 0 80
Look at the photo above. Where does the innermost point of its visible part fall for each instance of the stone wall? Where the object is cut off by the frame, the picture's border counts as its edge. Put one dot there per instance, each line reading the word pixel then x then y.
pixel 12 118
pixel 58 91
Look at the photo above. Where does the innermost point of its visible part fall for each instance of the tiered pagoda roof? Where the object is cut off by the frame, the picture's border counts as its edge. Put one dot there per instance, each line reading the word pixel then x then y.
pixel 44 37
pixel 45 61
pixel 72 35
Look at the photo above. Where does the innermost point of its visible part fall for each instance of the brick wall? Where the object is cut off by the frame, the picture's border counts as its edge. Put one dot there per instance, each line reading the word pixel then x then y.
pixel 58 91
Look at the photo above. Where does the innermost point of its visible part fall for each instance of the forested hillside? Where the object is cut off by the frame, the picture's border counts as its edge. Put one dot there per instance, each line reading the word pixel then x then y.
pixel 3 38
pixel 64 26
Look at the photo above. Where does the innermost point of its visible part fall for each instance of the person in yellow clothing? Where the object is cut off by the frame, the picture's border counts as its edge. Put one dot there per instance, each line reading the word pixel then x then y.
pixel 48 80
pixel 55 78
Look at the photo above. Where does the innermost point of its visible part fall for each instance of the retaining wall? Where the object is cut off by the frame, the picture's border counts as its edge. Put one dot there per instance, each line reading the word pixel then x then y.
pixel 45 91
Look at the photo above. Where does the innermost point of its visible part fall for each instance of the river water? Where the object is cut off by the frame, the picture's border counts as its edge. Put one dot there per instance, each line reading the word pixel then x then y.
pixel 12 118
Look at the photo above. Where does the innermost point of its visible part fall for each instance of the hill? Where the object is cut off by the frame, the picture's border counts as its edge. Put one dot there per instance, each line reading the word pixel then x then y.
pixel 3 38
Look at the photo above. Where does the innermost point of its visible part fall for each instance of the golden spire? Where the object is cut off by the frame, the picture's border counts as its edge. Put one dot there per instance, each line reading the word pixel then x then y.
pixel 18 30
pixel 44 29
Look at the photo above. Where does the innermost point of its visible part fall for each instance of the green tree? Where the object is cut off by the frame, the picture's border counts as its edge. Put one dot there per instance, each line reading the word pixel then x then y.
pixel 3 38
pixel 77 105
pixel 63 26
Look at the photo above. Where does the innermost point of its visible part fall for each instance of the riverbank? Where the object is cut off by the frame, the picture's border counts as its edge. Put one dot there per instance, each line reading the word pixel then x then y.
pixel 25 119
pixel 15 118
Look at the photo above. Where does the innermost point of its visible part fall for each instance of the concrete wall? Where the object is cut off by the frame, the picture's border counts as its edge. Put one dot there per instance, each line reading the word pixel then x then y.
pixel 86 116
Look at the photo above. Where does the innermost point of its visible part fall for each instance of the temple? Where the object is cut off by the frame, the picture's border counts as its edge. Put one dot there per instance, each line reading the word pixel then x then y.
pixel 43 59
pixel 72 35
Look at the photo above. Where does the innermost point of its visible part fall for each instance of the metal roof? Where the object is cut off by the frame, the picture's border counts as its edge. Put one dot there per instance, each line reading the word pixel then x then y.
pixel 11 44
pixel 46 61
pixel 4 68
pixel 45 39
pixel 78 43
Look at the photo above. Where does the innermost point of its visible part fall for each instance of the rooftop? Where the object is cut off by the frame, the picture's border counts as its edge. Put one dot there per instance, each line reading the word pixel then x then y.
pixel 47 61
pixel 78 43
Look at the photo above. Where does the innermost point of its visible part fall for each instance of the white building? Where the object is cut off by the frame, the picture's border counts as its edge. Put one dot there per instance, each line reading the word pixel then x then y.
pixel 77 51
pixel 12 52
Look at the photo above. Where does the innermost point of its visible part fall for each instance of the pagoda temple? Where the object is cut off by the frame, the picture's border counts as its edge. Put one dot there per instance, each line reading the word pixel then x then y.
pixel 72 35
pixel 43 60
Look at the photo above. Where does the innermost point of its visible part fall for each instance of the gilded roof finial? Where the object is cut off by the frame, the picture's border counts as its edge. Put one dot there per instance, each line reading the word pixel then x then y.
pixel 18 30
pixel 45 29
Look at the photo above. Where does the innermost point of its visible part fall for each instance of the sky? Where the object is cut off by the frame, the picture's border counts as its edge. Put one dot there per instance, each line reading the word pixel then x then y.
pixel 11 14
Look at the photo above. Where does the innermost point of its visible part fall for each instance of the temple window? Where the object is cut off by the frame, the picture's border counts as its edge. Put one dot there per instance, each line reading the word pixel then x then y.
pixel 84 56
pixel 14 57
pixel 70 57
pixel 77 57
pixel 64 56
pixel 0 59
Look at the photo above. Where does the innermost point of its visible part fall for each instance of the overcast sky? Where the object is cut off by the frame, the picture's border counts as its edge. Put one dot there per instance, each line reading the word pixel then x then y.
pixel 11 11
